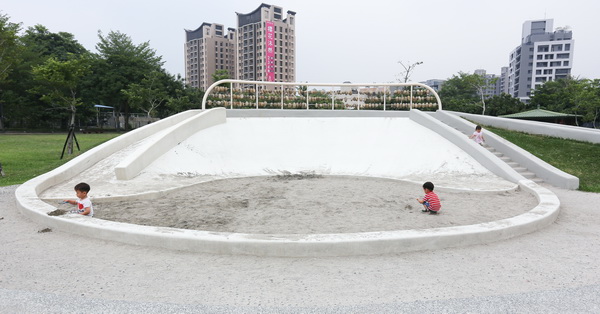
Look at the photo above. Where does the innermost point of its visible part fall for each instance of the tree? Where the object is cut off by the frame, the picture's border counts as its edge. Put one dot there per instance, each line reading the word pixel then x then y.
pixel 149 94
pixel 46 44
pixel 504 104
pixel 556 95
pixel 404 76
pixel 9 54
pixel 459 95
pixel 466 92
pixel 22 104
pixel 59 83
pixel 480 83
pixel 570 95
pixel 185 98
pixel 118 64
pixel 592 106
pixel 221 75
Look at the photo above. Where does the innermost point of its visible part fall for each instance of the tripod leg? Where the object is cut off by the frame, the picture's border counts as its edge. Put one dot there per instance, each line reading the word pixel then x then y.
pixel 76 142
pixel 66 141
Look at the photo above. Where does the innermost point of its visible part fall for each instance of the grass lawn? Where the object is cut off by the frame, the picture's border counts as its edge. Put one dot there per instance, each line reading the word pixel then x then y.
pixel 577 158
pixel 25 156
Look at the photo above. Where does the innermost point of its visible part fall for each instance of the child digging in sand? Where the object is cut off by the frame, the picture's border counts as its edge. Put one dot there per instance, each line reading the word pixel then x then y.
pixel 430 201
pixel 83 202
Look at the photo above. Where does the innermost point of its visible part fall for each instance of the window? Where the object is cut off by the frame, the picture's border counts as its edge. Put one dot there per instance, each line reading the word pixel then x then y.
pixel 541 64
pixel 562 56
pixel 543 48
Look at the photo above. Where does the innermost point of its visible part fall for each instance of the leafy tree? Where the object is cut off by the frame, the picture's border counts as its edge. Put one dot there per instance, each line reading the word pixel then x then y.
pixel 185 98
pixel 9 55
pixel 46 44
pixel 480 84
pixel 22 101
pixel 592 104
pixel 221 75
pixel 59 83
pixel 466 92
pixel 118 64
pixel 556 95
pixel 149 94
pixel 459 94
pixel 503 104
pixel 570 95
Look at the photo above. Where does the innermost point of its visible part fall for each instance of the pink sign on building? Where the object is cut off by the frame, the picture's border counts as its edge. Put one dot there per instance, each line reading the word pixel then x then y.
pixel 270 51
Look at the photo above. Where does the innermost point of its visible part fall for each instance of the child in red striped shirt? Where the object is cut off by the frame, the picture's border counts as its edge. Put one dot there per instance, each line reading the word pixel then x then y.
pixel 430 201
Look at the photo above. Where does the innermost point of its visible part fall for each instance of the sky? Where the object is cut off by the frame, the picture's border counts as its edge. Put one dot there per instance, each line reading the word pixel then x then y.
pixel 337 41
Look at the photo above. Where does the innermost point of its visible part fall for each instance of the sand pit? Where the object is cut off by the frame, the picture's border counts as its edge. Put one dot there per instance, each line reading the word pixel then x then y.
pixel 294 204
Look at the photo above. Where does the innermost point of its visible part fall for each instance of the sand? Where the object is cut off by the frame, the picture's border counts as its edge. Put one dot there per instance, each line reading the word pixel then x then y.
pixel 309 203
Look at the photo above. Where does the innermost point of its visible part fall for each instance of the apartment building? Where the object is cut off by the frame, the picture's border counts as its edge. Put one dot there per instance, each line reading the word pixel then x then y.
pixel 544 55
pixel 267 45
pixel 209 49
pixel 261 48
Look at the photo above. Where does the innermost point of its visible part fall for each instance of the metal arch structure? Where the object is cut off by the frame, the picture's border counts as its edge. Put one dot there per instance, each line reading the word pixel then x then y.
pixel 282 84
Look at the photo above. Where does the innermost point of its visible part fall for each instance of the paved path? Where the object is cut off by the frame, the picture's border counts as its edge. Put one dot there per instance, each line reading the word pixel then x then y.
pixel 554 270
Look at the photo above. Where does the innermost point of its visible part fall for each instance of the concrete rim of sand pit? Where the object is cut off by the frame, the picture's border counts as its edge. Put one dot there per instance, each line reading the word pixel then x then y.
pixel 284 245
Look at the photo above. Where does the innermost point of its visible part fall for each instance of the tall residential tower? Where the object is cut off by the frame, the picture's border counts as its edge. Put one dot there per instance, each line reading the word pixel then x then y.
pixel 262 48
pixel 267 45
pixel 207 50
pixel 544 55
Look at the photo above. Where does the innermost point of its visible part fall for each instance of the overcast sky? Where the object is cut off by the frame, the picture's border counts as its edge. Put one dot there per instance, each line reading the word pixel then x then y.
pixel 357 41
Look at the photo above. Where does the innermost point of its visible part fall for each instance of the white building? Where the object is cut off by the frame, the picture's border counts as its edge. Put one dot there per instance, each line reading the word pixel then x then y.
pixel 544 55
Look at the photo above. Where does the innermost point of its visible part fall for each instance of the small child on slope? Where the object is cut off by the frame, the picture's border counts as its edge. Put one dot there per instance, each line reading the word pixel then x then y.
pixel 477 136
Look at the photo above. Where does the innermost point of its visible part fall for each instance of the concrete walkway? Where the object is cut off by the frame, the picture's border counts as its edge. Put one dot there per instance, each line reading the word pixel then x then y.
pixel 554 270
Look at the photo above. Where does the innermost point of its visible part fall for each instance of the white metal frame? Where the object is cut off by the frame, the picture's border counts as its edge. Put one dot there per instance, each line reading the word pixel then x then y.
pixel 282 84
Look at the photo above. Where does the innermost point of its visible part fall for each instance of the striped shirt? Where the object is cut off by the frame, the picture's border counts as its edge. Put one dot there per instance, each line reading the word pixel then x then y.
pixel 432 201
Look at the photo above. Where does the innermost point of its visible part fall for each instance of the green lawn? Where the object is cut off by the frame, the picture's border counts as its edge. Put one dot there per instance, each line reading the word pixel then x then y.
pixel 25 156
pixel 577 158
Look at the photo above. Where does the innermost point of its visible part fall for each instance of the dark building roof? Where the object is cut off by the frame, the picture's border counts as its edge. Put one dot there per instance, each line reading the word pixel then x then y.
pixel 252 17
pixel 195 34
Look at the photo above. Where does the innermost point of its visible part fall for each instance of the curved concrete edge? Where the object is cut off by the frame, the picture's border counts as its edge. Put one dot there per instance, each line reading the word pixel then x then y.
pixel 541 168
pixel 133 164
pixel 536 127
pixel 480 154
pixel 294 245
